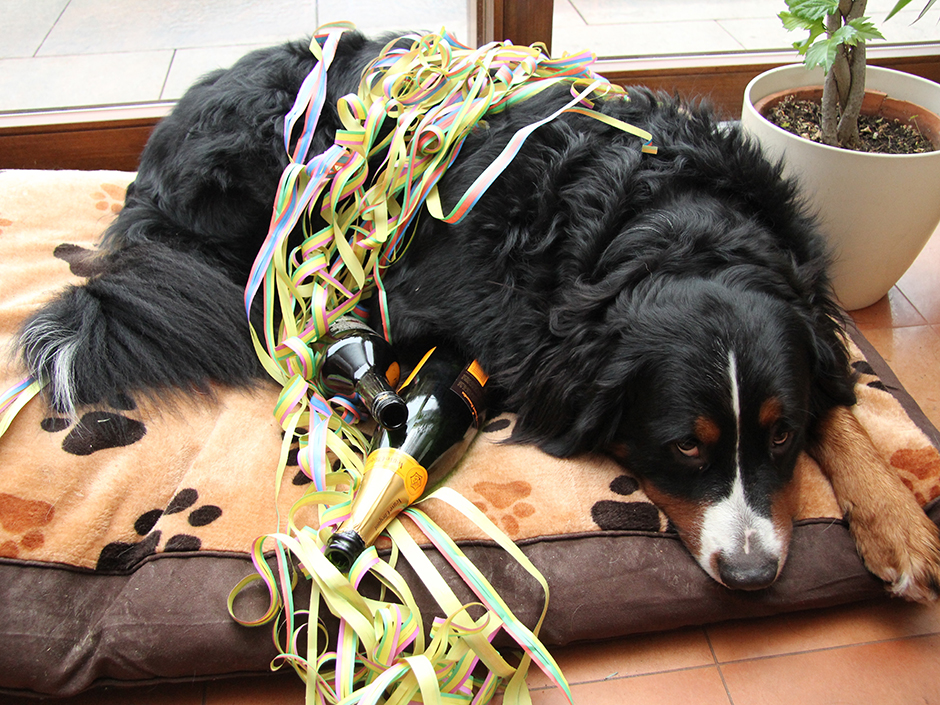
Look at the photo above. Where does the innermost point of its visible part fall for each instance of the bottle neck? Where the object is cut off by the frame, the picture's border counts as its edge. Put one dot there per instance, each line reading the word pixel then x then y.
pixel 386 406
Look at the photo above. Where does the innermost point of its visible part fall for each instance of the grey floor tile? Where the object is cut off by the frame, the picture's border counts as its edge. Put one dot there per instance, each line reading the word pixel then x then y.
pixel 762 33
pixel 375 17
pixel 164 45
pixel 76 81
pixel 643 39
pixel 26 24
pixel 189 64
pixel 102 26
pixel 596 12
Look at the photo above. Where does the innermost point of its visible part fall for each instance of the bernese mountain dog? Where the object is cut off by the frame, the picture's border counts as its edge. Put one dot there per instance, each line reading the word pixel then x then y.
pixel 671 310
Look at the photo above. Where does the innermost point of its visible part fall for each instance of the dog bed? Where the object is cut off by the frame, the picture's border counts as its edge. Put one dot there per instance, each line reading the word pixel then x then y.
pixel 123 531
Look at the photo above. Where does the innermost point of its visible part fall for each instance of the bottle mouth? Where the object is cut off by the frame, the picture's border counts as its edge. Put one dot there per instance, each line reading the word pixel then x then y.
pixel 343 548
pixel 390 410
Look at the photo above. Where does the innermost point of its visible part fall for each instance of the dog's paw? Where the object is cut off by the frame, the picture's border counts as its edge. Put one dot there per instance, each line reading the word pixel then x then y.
pixel 902 548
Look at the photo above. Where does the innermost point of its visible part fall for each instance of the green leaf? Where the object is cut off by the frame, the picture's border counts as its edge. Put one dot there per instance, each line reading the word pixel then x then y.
pixel 793 22
pixel 803 46
pixel 904 3
pixel 864 29
pixel 926 7
pixel 812 9
pixel 822 53
pixel 900 6
pixel 856 31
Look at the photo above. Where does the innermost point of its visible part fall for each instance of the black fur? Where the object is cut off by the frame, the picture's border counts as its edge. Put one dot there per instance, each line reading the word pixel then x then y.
pixel 605 290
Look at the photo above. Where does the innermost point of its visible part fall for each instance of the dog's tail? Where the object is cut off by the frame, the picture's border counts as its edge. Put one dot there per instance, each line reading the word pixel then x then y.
pixel 151 319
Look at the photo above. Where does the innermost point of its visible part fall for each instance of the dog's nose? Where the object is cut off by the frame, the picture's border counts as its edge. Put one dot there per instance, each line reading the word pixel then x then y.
pixel 754 570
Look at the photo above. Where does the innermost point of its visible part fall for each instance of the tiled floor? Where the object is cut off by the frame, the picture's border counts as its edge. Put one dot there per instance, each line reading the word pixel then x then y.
pixel 646 27
pixel 881 653
pixel 76 53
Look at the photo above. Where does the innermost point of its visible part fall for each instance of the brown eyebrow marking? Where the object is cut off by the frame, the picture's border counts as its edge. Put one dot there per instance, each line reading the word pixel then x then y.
pixel 770 412
pixel 707 430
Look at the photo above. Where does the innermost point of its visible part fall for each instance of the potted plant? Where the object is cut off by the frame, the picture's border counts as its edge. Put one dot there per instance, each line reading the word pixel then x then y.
pixel 877 209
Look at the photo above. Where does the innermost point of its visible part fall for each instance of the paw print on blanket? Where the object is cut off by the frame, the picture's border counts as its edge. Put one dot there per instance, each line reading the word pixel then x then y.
pixel 24 518
pixel 123 556
pixel 97 430
pixel 919 469
pixel 504 502
pixel 865 370
pixel 635 514
pixel 110 198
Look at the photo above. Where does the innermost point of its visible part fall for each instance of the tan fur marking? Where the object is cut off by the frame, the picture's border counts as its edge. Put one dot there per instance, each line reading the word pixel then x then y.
pixel 707 430
pixel 770 412
pixel 685 515
pixel 895 538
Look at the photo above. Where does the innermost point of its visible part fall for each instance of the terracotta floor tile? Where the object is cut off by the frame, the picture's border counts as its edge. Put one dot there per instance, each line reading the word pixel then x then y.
pixel 897 672
pixel 701 686
pixel 921 283
pixel 892 311
pixel 821 629
pixel 914 355
pixel 630 656
pixel 277 689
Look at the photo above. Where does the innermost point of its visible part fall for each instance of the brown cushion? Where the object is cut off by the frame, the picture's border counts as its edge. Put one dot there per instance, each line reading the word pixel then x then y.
pixel 122 533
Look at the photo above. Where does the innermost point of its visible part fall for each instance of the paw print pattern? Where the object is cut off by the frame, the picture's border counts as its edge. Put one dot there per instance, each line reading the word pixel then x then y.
pixel 120 556
pixel 24 518
pixel 920 471
pixel 110 198
pixel 97 430
pixel 864 369
pixel 636 515
pixel 506 500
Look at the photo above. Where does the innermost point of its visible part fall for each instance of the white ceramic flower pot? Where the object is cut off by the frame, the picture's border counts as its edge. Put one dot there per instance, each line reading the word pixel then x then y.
pixel 877 210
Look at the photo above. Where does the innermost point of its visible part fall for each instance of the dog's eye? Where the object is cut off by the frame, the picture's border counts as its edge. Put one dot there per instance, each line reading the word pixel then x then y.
pixel 779 438
pixel 689 447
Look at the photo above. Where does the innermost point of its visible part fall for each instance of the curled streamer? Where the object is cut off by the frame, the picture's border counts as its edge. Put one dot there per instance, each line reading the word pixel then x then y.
pixel 430 94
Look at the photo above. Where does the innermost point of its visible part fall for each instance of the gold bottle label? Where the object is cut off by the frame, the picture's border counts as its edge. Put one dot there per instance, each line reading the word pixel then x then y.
pixel 391 481
pixel 412 474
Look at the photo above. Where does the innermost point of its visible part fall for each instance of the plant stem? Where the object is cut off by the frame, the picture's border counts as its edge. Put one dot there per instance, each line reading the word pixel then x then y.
pixel 844 87
pixel 852 103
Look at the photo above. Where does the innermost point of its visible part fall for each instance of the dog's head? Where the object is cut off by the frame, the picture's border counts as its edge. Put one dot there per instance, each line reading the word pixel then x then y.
pixel 708 391
pixel 716 420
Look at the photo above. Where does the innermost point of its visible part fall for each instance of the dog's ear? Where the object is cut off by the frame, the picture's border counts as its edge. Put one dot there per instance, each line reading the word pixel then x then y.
pixel 833 377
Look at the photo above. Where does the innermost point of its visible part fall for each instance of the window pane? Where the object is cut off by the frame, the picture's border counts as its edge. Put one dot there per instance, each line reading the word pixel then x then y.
pixel 76 53
pixel 636 28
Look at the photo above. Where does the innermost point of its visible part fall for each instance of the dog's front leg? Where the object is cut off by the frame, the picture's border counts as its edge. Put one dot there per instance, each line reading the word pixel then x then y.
pixel 895 539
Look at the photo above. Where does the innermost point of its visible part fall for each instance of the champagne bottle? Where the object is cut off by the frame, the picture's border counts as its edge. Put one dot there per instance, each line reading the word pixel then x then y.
pixel 445 409
pixel 360 361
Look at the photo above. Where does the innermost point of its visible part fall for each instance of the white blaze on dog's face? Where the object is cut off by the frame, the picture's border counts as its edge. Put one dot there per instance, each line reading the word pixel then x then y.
pixel 738 546
pixel 714 430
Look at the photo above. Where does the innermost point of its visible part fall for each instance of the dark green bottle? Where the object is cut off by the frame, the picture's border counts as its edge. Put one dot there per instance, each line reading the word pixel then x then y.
pixel 445 403
pixel 360 361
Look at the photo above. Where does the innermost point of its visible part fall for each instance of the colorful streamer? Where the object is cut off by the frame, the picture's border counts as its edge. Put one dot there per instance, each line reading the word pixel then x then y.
pixel 431 91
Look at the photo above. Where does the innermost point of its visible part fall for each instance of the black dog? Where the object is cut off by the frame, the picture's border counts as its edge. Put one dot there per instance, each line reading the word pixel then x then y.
pixel 672 310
